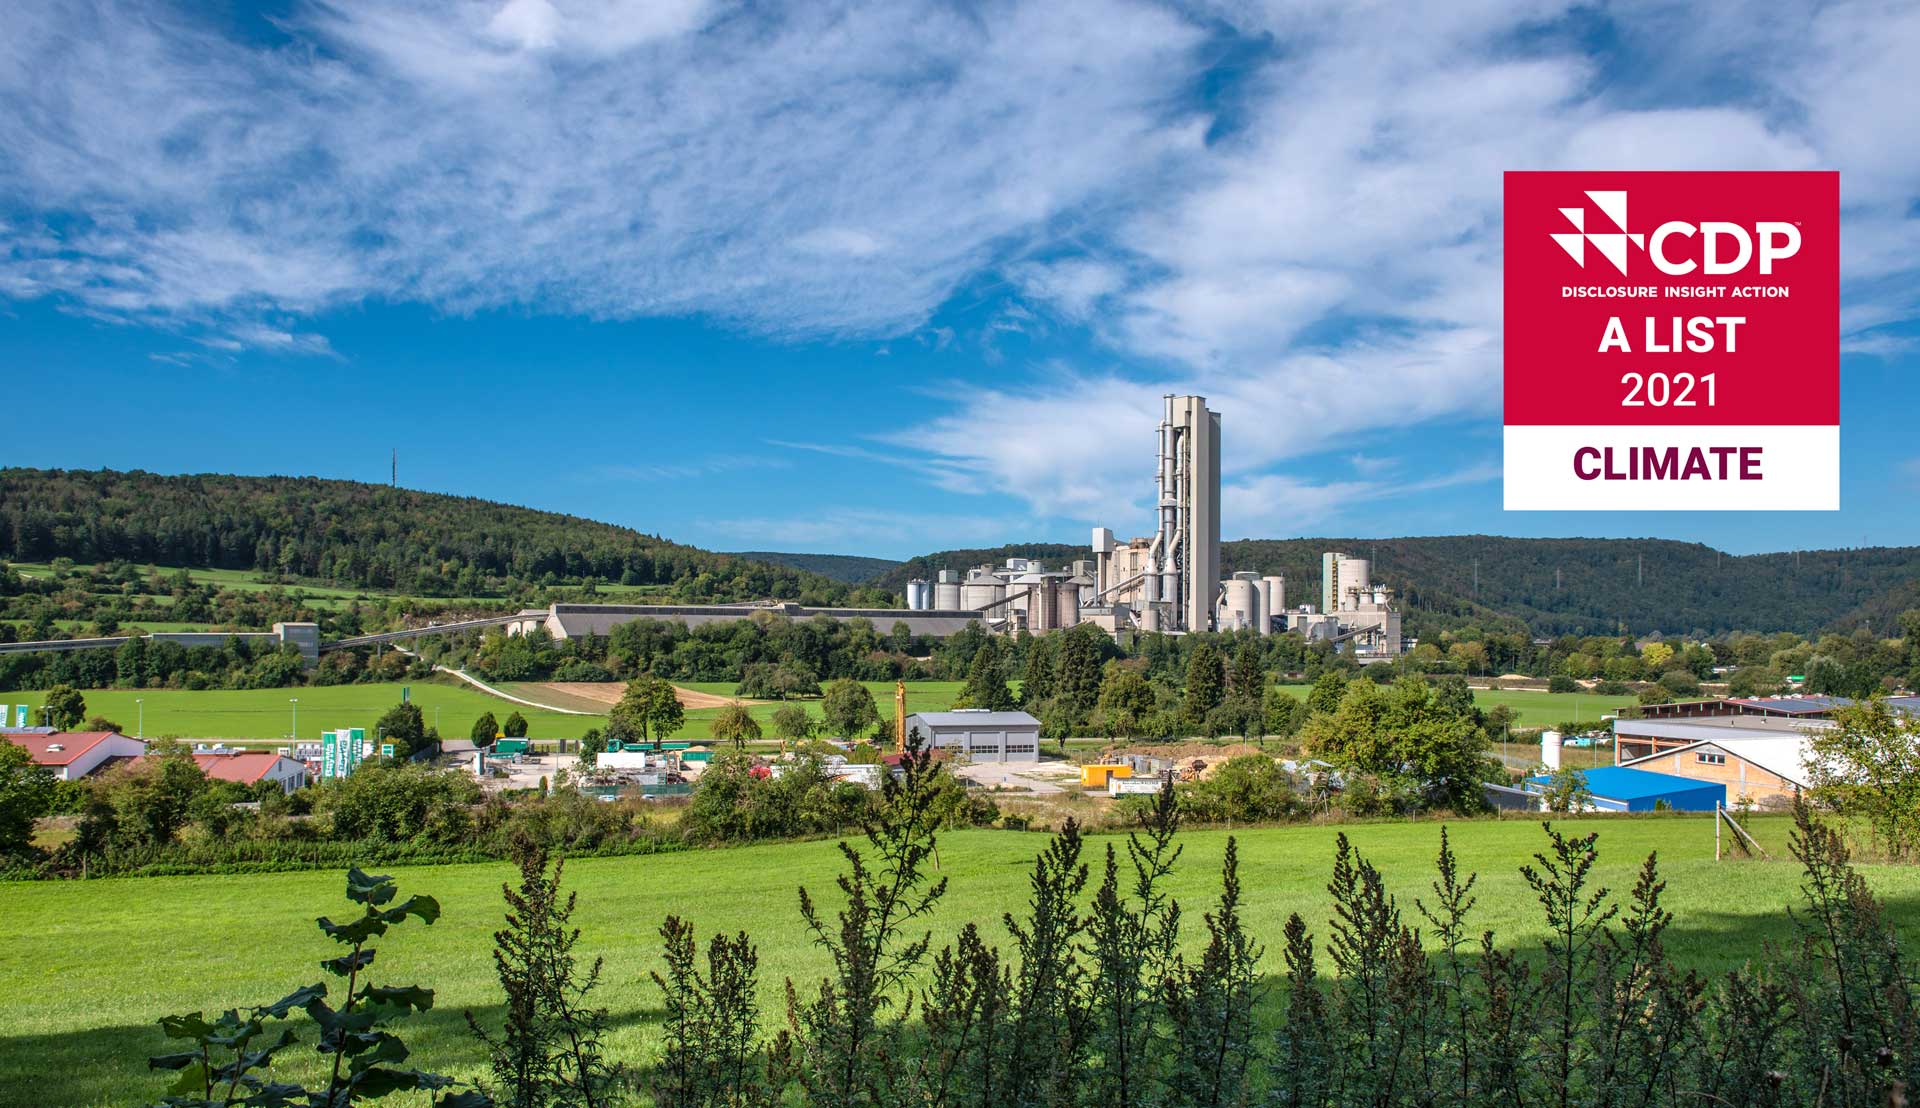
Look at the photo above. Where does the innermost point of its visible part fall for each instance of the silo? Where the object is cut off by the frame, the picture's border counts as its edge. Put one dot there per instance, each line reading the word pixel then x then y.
pixel 1276 596
pixel 1241 604
pixel 1357 573
pixel 946 591
pixel 919 594
pixel 981 589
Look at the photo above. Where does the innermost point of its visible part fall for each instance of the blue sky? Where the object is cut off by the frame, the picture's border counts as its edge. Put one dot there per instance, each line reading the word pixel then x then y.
pixel 889 278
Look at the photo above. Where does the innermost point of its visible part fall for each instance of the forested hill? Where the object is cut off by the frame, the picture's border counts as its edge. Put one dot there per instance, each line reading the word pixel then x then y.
pixel 1598 586
pixel 1568 586
pixel 372 536
pixel 851 569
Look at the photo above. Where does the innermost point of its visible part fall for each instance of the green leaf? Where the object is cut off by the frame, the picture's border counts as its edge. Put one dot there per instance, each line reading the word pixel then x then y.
pixel 192 1079
pixel 379 1081
pixel 363 887
pixel 404 996
pixel 346 964
pixel 174 1061
pixel 357 931
pixel 188 1026
pixel 466 1098
pixel 298 999
pixel 426 907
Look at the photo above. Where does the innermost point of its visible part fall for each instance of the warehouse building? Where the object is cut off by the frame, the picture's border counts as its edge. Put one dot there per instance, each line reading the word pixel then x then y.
pixel 979 735
pixel 1635 739
pixel 1619 789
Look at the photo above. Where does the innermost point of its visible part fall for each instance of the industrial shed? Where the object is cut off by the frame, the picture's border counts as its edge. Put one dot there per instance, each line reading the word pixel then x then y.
pixel 1618 789
pixel 980 735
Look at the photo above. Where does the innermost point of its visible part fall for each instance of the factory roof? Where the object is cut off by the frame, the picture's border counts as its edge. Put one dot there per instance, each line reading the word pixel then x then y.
pixel 971 718
pixel 1622 783
pixel 1718 728
pixel 1795 706
pixel 575 620
pixel 1783 756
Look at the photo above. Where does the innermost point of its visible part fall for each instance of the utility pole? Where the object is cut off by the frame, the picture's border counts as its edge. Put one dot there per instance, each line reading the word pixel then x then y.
pixel 393 480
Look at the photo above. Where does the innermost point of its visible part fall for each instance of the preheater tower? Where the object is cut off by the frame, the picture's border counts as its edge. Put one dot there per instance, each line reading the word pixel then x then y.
pixel 1169 578
pixel 1189 534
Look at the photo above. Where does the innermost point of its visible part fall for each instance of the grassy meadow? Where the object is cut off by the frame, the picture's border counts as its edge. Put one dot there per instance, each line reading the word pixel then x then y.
pixel 267 715
pixel 87 967
pixel 1533 709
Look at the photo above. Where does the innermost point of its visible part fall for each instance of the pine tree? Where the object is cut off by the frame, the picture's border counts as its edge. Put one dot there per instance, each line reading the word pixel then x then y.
pixel 1077 671
pixel 1248 680
pixel 1206 681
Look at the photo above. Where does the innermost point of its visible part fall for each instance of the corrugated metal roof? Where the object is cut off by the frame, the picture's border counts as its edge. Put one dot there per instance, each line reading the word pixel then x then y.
pixel 1622 783
pixel 974 719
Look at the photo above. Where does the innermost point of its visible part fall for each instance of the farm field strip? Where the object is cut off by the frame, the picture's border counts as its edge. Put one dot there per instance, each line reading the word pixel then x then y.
pixel 249 939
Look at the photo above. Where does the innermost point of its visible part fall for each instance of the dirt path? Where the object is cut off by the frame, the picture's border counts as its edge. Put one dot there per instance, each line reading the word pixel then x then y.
pixel 608 693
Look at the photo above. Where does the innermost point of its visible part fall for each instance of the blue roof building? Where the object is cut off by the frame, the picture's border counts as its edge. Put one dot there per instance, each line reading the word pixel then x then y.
pixel 1619 789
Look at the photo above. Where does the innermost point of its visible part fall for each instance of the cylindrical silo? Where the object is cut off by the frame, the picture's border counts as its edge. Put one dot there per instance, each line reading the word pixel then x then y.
pixel 1276 596
pixel 919 594
pixel 1356 573
pixel 980 590
pixel 946 591
pixel 1240 606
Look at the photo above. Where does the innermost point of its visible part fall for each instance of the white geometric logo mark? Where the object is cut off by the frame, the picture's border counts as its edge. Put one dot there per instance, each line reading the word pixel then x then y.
pixel 1611 244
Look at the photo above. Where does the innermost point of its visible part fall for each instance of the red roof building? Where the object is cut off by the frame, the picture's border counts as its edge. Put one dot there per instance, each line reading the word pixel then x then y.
pixel 72 755
pixel 252 767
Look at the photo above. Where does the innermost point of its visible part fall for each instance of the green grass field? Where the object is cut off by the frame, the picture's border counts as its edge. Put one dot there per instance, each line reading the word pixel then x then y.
pixel 86 968
pixel 266 715
pixel 922 696
pixel 1533 709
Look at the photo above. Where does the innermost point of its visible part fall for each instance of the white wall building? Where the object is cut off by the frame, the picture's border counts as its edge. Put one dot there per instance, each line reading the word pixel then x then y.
pixel 979 735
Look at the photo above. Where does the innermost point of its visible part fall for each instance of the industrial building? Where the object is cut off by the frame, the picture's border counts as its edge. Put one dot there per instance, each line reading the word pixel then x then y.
pixel 1169 580
pixel 1618 789
pixel 980 735
pixel 1756 756
pixel 1353 609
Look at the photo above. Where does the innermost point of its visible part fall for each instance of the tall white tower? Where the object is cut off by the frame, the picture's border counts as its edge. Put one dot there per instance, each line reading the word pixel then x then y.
pixel 1189 537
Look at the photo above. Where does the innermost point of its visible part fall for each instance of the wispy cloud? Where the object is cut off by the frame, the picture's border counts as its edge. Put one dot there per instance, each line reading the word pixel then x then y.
pixel 857 529
pixel 805 169
pixel 685 469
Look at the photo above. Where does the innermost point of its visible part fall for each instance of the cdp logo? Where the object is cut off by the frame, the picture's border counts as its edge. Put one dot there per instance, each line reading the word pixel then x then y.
pixel 1705 247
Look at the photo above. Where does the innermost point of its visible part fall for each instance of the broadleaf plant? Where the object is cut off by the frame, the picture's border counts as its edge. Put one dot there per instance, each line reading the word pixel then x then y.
pixel 230 1058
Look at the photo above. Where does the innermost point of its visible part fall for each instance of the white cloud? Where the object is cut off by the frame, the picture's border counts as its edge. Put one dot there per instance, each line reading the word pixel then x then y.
pixel 842 529
pixel 1329 271
pixel 815 169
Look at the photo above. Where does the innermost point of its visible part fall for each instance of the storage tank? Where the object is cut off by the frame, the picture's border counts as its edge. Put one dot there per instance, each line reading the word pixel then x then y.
pixel 980 590
pixel 1276 586
pixel 1241 605
pixel 1355 573
pixel 946 591
pixel 919 594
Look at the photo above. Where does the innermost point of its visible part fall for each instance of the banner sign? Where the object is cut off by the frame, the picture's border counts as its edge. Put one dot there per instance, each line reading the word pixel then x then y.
pixel 329 754
pixel 20 715
pixel 1672 341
